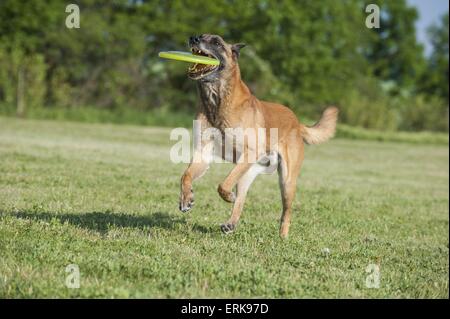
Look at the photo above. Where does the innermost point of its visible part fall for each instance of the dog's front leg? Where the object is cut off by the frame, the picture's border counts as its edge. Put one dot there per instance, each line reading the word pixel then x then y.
pixel 198 166
pixel 194 171
pixel 225 189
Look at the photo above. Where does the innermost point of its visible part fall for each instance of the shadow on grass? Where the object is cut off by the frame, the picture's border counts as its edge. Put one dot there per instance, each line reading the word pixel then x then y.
pixel 102 221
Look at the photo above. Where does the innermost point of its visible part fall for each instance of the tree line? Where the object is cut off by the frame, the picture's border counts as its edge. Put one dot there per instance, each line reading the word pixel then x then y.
pixel 305 54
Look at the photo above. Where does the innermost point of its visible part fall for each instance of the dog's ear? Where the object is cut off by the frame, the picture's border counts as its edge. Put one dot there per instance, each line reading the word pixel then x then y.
pixel 236 48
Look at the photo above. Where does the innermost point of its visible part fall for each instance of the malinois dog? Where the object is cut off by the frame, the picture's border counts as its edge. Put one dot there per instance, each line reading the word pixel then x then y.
pixel 226 102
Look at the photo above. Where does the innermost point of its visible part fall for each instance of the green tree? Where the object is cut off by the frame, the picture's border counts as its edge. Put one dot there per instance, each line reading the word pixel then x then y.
pixel 301 53
pixel 395 54
pixel 437 76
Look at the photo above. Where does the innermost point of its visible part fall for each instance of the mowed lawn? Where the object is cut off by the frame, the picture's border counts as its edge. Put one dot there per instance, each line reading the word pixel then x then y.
pixel 105 197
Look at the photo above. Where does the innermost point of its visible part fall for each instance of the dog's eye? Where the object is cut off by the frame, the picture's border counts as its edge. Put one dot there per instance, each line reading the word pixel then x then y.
pixel 217 42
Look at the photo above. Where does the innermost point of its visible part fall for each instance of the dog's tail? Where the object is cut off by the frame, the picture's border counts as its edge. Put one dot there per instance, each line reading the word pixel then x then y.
pixel 323 130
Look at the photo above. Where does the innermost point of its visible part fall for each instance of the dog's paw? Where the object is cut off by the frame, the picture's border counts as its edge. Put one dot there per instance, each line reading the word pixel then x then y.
pixel 227 196
pixel 227 228
pixel 186 201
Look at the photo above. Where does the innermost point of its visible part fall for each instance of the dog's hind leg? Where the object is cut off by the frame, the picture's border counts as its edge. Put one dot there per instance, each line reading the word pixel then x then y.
pixel 288 170
pixel 241 192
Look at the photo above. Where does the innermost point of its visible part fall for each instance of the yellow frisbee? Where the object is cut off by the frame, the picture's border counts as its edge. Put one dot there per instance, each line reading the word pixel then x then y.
pixel 188 57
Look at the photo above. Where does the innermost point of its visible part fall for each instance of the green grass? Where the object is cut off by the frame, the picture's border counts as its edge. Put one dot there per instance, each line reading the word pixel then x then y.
pixel 351 132
pixel 164 117
pixel 105 197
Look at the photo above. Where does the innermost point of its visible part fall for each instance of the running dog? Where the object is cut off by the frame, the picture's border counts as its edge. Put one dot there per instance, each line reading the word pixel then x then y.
pixel 226 102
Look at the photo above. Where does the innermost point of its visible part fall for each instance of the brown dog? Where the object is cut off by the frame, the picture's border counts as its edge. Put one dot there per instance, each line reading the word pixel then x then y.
pixel 226 102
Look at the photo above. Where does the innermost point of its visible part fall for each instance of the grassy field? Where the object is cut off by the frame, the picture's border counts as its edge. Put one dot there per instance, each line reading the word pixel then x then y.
pixel 105 197
pixel 164 117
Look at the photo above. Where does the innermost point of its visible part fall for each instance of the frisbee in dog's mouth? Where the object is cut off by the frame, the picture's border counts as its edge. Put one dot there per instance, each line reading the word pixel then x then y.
pixel 199 70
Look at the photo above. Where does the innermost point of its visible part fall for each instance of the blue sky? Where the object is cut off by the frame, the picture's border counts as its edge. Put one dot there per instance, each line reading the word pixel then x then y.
pixel 429 12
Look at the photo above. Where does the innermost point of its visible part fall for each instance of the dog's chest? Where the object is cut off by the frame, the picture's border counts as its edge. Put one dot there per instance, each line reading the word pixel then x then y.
pixel 214 98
